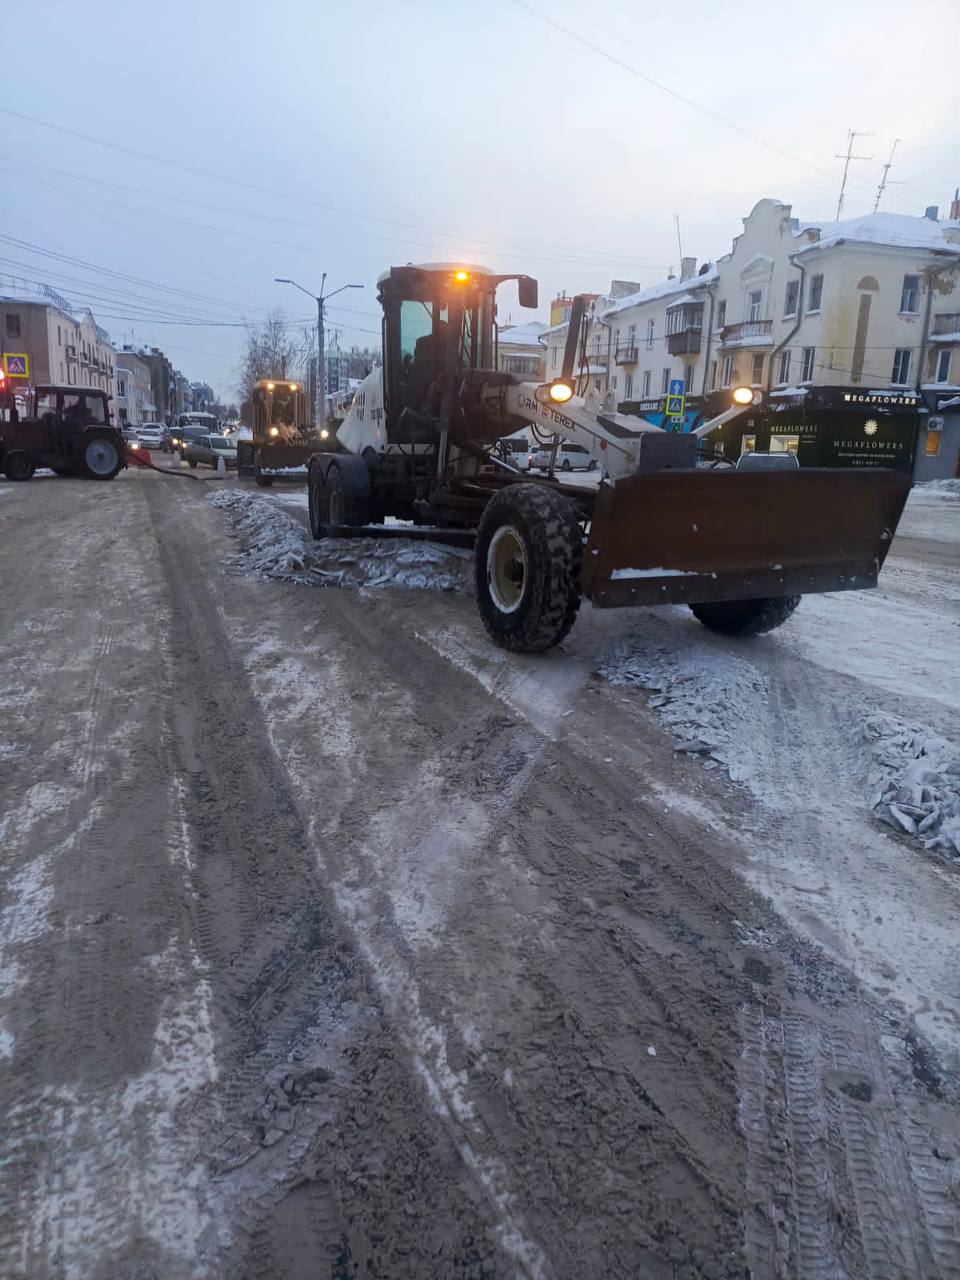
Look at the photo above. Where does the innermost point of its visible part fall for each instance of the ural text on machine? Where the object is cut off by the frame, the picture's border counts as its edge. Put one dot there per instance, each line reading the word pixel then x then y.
pixel 738 545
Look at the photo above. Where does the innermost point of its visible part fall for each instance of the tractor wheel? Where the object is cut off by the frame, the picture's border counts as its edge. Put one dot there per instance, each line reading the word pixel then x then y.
pixel 18 465
pixel 746 617
pixel 346 494
pixel 315 499
pixel 100 458
pixel 527 567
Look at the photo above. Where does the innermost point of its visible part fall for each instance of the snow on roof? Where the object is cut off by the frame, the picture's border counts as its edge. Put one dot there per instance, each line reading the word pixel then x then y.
pixel 525 335
pixel 894 230
pixel 665 289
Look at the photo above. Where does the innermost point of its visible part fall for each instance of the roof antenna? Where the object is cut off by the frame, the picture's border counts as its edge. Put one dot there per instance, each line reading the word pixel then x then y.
pixel 846 158
pixel 676 218
pixel 884 181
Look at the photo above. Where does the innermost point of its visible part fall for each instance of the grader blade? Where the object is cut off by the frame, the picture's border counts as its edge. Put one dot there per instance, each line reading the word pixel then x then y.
pixel 690 537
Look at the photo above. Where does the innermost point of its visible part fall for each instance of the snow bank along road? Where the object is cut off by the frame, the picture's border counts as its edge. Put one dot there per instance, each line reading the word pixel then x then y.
pixel 337 943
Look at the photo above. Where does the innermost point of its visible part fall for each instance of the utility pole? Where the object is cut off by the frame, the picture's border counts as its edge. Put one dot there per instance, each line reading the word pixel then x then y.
pixel 852 133
pixel 884 182
pixel 320 394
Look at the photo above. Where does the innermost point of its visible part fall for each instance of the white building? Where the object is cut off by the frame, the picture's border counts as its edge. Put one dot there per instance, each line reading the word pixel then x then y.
pixel 134 396
pixel 65 347
pixel 520 351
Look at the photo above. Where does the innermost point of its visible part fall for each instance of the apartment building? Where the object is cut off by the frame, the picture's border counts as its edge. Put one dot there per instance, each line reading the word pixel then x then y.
pixel 65 347
pixel 134 392
pixel 520 351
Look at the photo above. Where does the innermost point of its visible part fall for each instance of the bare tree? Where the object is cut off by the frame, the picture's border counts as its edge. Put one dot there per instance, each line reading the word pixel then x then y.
pixel 272 351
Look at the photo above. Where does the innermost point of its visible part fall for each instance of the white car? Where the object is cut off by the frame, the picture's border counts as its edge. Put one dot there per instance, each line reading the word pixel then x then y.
pixel 570 457
pixel 150 434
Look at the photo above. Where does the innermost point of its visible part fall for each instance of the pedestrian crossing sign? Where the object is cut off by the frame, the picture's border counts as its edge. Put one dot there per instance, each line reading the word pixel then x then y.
pixel 675 407
pixel 16 364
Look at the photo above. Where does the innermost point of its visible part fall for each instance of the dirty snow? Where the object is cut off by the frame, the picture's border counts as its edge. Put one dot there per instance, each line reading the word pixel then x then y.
pixel 274 545
pixel 716 703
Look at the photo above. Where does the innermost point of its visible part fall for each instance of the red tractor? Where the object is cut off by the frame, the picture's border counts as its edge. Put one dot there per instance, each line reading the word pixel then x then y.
pixel 68 430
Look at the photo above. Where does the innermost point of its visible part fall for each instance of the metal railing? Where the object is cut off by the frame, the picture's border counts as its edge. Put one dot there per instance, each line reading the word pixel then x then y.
pixel 746 330
pixel 946 322
pixel 626 354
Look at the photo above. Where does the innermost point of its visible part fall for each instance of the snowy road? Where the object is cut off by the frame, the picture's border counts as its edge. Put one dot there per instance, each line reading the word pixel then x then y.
pixel 336 942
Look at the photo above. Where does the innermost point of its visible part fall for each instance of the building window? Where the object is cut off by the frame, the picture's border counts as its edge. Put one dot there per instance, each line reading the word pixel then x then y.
pixel 59 336
pixel 756 371
pixel 713 375
pixel 727 370
pixel 783 372
pixel 665 381
pixel 631 335
pixel 628 390
pixel 13 326
pixel 910 295
pixel 806 370
pixel 901 367
pixel 121 387
pixel 721 313
pixel 688 380
pixel 931 447
pixel 650 324
pixel 614 382
pixel 792 298
pixel 61 371
pixel 596 384
pixel 943 367
pixel 815 294
pixel 755 299
pixel 646 384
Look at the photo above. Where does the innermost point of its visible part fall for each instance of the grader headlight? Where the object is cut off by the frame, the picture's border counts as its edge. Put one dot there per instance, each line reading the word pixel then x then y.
pixel 743 395
pixel 560 391
pixel 461 277
pixel 274 431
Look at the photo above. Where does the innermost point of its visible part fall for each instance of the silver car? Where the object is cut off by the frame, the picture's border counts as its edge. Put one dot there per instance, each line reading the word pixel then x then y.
pixel 209 450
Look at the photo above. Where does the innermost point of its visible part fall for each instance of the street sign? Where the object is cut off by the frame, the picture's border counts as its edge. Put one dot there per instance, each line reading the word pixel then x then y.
pixel 16 365
pixel 677 387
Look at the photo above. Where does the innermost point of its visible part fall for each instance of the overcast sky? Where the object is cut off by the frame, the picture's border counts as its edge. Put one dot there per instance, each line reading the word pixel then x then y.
pixel 346 137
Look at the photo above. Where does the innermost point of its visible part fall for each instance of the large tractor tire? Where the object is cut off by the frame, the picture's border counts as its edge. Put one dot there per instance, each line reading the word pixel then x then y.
pixel 746 617
pixel 527 566
pixel 100 459
pixel 18 465
pixel 346 493
pixel 315 499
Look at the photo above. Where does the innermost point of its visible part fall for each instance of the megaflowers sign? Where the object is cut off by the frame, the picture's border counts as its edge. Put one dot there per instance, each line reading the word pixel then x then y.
pixel 837 439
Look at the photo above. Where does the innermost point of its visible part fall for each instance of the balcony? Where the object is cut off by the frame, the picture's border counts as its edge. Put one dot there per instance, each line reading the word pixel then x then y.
pixel 685 342
pixel 946 327
pixel 71 351
pixel 626 354
pixel 749 333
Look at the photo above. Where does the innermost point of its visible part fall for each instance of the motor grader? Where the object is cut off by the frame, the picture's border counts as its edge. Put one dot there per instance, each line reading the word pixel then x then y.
pixel 739 545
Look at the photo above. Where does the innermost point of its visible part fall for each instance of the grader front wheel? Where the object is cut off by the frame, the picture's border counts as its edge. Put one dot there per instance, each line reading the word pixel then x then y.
pixel 527 567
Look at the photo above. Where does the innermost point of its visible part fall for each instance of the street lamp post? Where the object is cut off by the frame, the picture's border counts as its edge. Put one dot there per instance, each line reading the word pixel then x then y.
pixel 320 299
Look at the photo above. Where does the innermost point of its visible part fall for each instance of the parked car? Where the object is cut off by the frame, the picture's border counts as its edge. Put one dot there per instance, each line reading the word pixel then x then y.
pixel 210 449
pixel 150 434
pixel 180 437
pixel 570 457
pixel 130 434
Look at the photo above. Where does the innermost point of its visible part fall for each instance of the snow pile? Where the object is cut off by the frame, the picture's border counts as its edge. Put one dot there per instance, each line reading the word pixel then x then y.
pixel 949 488
pixel 277 546
pixel 915 780
pixel 712 701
